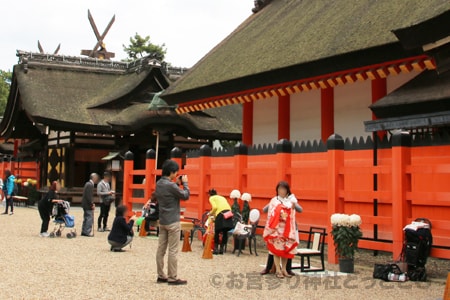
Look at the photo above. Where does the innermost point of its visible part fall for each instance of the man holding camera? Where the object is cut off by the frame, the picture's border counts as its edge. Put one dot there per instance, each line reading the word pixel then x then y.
pixel 106 198
pixel 169 195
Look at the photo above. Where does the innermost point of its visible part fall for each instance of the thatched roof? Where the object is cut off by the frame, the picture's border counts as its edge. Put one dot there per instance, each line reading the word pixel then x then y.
pixel 291 39
pixel 94 98
pixel 223 123
pixel 71 96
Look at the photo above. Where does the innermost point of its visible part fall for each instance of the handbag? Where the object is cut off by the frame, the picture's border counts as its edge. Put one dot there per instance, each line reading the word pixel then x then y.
pixel 241 229
pixel 383 271
pixel 227 215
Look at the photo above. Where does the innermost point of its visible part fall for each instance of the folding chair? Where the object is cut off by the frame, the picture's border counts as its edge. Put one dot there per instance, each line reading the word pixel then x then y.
pixel 250 233
pixel 315 247
pixel 199 225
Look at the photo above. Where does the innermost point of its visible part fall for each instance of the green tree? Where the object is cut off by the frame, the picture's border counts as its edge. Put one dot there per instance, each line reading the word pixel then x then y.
pixel 141 46
pixel 5 84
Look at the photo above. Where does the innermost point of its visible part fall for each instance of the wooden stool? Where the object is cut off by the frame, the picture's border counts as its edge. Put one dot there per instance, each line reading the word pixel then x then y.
pixel 142 231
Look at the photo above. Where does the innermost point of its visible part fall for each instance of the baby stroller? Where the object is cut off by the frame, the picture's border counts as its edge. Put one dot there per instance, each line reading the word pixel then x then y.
pixel 62 220
pixel 417 247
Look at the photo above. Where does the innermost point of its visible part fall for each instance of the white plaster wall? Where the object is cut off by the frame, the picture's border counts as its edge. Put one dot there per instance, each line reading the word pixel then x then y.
pixel 351 108
pixel 393 82
pixel 305 116
pixel 265 121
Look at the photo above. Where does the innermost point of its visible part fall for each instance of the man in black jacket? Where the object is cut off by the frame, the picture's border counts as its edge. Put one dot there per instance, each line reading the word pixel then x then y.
pixel 88 205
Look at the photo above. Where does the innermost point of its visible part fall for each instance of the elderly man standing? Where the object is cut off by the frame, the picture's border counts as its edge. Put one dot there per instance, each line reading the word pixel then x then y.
pixel 169 195
pixel 88 205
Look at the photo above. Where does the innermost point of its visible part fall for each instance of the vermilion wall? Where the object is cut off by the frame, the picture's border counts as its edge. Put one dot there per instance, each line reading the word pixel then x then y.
pixel 21 169
pixel 410 182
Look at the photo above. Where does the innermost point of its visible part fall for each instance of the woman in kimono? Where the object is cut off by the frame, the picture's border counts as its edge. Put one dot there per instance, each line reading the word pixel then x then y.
pixel 280 232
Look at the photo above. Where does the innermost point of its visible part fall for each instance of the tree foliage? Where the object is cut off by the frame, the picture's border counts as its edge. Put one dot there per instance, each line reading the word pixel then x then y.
pixel 5 84
pixel 141 46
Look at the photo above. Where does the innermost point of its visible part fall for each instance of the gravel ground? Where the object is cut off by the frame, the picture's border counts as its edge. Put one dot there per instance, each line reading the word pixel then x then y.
pixel 84 268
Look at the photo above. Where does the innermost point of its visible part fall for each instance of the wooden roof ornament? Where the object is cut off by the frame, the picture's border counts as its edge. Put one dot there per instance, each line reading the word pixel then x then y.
pixel 259 4
pixel 41 50
pixel 99 51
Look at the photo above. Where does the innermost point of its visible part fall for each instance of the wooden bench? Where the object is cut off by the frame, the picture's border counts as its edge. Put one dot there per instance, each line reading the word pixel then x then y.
pixel 18 200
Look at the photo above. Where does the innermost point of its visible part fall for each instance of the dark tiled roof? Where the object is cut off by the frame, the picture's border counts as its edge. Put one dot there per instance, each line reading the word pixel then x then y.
pixel 289 33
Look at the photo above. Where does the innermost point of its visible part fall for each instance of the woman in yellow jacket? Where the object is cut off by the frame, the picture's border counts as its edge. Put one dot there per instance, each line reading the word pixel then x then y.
pixel 222 223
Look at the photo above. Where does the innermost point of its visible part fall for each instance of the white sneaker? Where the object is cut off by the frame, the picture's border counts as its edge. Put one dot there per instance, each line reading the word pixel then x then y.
pixel 11 213
pixel 44 234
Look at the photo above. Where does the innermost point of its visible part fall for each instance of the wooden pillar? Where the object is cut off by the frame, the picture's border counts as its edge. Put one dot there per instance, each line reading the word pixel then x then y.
pixel 128 165
pixel 150 176
pixel 326 112
pixel 16 147
pixel 335 146
pixel 379 90
pixel 15 167
pixel 247 123
pixel 284 117
pixel 240 166
pixel 205 179
pixel 3 167
pixel 401 184
pixel 283 157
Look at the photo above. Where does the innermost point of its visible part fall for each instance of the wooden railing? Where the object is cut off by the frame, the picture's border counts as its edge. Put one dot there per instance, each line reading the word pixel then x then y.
pixel 388 183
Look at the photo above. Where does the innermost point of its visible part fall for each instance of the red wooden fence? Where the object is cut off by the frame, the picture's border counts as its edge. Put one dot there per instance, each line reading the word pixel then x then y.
pixel 389 187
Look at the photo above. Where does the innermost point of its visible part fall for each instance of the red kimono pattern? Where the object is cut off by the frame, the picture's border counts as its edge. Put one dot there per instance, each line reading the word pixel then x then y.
pixel 280 233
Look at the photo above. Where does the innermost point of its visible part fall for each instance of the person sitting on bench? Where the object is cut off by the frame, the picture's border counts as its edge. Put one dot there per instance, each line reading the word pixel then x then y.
pixel 151 212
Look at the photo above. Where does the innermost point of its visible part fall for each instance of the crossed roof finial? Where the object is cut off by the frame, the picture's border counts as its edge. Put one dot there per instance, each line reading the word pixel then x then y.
pixel 99 50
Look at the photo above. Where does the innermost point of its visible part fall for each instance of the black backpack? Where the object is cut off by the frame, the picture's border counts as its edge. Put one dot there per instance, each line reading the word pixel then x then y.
pixel 417 249
pixel 418 246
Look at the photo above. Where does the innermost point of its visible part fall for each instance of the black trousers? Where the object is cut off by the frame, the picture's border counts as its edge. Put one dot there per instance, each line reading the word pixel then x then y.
pixel 147 223
pixel 104 213
pixel 224 237
pixel 9 202
pixel 222 225
pixel 269 263
pixel 44 212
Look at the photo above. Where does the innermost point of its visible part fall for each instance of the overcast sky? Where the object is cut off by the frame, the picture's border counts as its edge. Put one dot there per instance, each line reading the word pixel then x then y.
pixel 188 28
